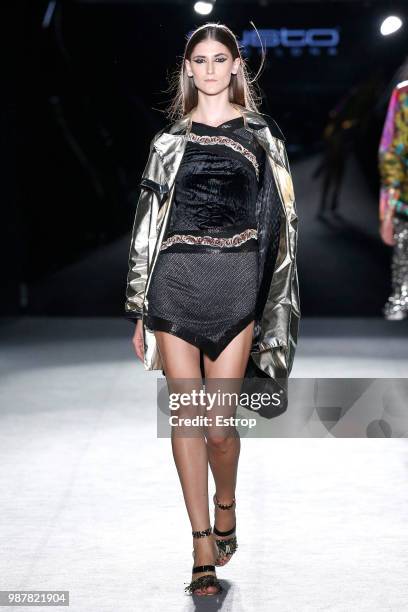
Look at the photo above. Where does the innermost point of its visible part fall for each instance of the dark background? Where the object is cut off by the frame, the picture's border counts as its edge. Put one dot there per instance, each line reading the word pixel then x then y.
pixel 77 133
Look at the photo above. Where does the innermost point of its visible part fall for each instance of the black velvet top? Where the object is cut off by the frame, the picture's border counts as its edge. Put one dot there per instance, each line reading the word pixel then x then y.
pixel 217 181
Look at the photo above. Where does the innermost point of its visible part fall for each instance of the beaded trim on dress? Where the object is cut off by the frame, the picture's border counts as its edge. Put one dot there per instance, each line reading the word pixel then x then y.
pixel 232 241
pixel 229 142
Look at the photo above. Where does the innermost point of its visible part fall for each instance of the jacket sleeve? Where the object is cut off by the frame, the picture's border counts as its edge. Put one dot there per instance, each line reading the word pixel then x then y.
pixel 138 259
pixel 295 312
pixel 391 155
pixel 280 310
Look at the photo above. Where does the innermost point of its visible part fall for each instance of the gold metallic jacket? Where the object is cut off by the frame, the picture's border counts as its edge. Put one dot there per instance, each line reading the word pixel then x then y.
pixel 278 309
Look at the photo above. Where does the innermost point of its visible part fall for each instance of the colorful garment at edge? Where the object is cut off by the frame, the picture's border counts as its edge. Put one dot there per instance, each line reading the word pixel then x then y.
pixel 393 154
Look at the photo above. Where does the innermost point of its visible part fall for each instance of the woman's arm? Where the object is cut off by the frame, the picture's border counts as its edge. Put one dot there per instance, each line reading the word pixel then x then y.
pixel 138 260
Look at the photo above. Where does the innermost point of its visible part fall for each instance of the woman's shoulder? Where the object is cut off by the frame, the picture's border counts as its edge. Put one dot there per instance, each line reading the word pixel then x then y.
pixel 157 135
pixel 176 126
pixel 259 120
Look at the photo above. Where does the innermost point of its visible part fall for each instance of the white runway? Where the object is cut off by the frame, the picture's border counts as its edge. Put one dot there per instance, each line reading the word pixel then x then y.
pixel 91 502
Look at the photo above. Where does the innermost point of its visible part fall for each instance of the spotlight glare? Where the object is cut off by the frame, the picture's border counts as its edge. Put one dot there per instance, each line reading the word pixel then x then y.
pixel 203 8
pixel 390 25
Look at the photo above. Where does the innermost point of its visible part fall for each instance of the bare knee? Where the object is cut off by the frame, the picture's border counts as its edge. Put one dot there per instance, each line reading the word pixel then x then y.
pixel 220 442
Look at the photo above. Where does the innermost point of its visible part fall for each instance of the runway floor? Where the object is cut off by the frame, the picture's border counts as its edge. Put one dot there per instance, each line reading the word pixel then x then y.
pixel 91 502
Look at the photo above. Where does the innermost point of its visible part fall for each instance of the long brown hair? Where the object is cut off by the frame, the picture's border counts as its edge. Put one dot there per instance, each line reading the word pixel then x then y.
pixel 242 89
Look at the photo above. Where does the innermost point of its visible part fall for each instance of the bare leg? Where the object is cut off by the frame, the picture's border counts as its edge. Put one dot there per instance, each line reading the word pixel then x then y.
pixel 181 362
pixel 223 443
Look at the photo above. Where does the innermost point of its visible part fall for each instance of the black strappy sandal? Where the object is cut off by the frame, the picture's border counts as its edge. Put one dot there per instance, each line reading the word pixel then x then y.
pixel 203 581
pixel 226 548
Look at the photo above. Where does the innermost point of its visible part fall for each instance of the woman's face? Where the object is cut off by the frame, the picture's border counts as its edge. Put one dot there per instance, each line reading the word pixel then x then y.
pixel 211 65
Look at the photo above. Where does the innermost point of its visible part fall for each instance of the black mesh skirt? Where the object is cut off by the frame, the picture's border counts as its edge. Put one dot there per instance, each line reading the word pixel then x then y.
pixel 205 295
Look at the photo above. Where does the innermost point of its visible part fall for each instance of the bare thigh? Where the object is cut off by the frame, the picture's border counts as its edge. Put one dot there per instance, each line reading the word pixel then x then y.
pixel 180 358
pixel 181 364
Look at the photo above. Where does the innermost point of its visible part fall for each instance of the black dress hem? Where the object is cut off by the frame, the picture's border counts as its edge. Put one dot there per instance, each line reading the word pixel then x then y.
pixel 211 349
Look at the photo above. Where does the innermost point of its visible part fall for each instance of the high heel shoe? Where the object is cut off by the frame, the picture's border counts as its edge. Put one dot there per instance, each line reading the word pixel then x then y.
pixel 226 548
pixel 208 579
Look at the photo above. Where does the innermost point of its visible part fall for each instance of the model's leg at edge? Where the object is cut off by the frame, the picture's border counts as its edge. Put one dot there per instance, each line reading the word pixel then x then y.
pixel 396 306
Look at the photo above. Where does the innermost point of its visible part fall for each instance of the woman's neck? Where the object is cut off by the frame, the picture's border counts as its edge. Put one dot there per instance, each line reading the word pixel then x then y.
pixel 214 116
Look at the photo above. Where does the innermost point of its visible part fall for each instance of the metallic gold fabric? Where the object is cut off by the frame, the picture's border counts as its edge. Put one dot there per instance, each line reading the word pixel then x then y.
pixel 276 327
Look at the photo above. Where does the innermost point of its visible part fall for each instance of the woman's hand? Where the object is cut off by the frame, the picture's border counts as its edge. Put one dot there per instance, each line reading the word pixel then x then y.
pixel 138 339
pixel 387 230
